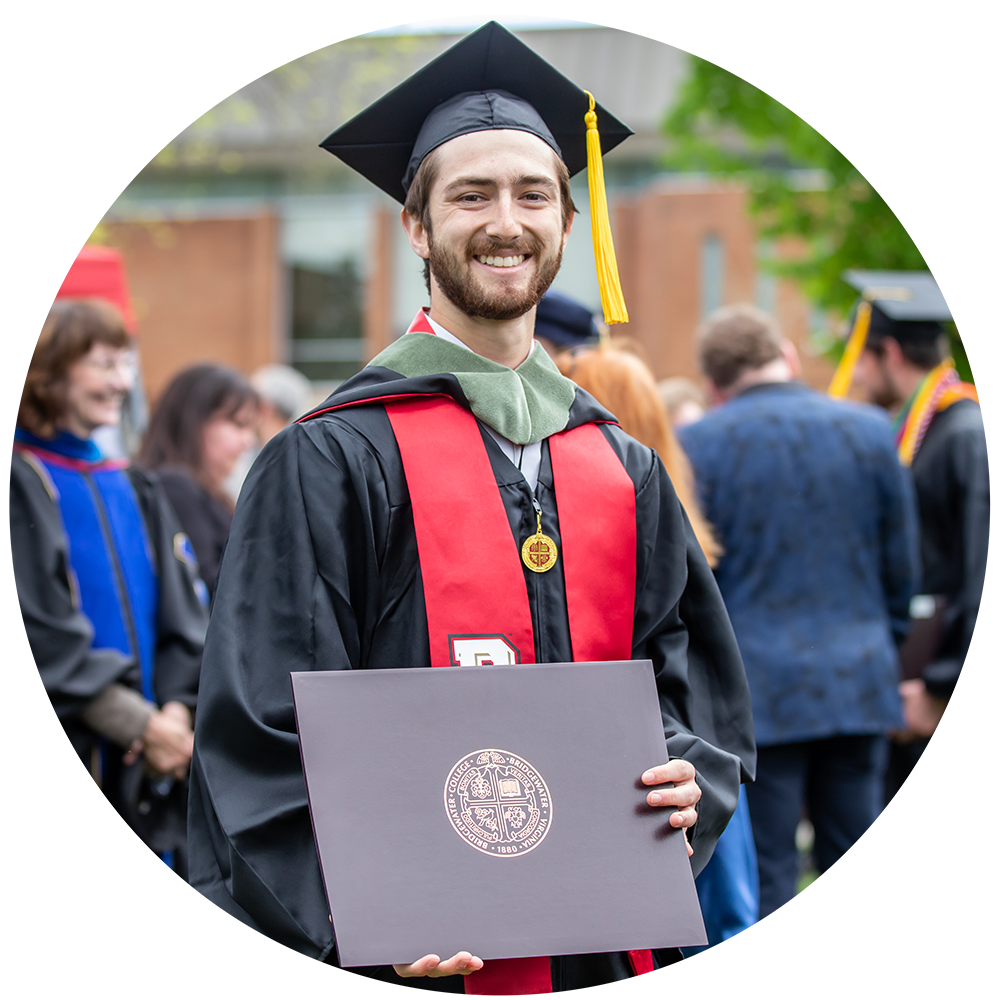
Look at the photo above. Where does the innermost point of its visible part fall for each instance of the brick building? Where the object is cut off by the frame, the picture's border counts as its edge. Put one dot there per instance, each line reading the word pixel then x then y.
pixel 247 244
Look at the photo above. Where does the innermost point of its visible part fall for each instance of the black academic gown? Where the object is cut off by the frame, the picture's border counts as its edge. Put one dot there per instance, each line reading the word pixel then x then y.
pixel 204 518
pixel 322 573
pixel 54 768
pixel 938 790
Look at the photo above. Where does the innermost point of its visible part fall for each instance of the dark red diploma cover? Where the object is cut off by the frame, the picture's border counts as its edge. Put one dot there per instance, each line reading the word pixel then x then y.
pixel 495 809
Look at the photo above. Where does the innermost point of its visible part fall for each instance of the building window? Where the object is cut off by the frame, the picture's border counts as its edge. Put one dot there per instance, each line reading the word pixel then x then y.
pixel 327 336
pixel 326 246
pixel 766 283
pixel 712 273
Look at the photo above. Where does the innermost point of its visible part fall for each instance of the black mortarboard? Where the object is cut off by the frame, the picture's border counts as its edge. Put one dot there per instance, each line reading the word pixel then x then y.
pixel 910 296
pixel 488 80
pixel 563 321
pixel 904 305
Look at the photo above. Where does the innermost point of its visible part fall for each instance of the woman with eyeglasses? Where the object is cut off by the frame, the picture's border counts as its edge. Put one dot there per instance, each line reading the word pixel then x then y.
pixel 106 579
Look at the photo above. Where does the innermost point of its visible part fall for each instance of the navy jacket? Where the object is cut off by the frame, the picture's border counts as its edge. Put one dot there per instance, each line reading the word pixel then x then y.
pixel 818 523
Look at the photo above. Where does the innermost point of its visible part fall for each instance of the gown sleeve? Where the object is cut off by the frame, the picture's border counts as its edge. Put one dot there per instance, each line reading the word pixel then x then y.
pixel 681 624
pixel 899 537
pixel 967 479
pixel 182 617
pixel 275 611
pixel 59 633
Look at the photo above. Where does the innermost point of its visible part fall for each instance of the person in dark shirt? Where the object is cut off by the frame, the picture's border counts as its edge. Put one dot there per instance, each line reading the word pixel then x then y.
pixel 817 523
pixel 904 367
pixel 202 423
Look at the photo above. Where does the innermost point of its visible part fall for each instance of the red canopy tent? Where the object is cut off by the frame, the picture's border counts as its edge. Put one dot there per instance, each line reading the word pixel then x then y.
pixel 44 265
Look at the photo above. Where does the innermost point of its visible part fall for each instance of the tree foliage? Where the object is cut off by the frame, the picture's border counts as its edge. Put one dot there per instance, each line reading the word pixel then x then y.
pixel 866 136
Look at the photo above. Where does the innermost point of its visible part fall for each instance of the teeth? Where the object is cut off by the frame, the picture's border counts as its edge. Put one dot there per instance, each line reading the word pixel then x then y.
pixel 500 261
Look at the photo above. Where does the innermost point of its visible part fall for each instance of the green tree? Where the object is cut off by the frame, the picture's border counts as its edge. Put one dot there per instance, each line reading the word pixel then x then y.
pixel 865 135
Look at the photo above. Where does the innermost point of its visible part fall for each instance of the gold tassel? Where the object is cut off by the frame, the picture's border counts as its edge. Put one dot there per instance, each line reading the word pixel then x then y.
pixel 604 249
pixel 131 887
pixel 841 381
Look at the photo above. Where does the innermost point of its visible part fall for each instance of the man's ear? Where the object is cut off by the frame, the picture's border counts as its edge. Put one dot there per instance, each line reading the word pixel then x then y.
pixel 416 234
pixel 791 356
pixel 568 229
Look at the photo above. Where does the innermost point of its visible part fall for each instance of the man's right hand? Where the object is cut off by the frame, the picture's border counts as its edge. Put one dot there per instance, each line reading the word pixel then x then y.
pixel 167 744
pixel 430 965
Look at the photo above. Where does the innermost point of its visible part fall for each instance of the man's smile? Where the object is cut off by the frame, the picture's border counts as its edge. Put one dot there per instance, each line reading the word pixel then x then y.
pixel 512 260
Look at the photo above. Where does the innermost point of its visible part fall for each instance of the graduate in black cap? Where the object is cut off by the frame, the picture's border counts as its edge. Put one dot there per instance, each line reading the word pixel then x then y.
pixel 897 356
pixel 412 518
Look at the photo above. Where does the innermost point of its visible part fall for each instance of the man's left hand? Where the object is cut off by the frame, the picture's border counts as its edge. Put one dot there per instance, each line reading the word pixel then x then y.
pixel 684 794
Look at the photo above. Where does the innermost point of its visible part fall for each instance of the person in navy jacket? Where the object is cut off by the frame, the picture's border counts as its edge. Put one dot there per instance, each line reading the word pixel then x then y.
pixel 817 522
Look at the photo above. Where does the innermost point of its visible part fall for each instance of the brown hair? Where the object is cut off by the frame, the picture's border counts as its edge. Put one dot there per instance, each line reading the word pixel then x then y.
pixel 417 204
pixel 71 329
pixel 621 381
pixel 734 340
pixel 192 398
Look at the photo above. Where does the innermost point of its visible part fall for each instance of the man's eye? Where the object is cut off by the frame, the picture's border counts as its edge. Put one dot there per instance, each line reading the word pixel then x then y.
pixel 472 196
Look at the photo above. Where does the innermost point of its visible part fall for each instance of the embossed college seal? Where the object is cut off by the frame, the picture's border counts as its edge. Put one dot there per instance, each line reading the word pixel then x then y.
pixel 498 803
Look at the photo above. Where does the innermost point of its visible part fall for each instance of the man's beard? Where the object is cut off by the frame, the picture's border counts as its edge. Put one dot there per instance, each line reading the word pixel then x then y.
pixel 457 280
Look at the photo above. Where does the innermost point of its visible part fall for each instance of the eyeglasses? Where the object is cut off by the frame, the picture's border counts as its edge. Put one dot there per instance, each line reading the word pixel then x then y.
pixel 124 364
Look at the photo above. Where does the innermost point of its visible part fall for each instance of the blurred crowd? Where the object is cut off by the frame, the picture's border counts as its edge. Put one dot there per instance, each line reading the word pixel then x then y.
pixel 848 539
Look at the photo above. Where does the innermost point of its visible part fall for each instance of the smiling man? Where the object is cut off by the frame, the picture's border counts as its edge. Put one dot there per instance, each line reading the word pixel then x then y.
pixel 462 437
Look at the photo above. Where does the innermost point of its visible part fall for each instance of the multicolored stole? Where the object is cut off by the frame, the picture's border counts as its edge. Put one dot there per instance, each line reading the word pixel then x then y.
pixel 939 389
pixel 473 579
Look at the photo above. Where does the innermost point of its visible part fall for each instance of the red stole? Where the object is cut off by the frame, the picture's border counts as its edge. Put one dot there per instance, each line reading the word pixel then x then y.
pixel 474 581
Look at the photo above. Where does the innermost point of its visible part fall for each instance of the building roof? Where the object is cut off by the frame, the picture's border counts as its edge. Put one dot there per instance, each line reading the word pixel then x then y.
pixel 276 122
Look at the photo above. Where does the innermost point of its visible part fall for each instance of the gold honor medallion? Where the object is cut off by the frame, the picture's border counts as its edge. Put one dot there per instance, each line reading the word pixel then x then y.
pixel 539 552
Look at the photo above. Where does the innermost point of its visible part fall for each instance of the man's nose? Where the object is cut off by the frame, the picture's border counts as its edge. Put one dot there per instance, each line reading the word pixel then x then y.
pixel 504 224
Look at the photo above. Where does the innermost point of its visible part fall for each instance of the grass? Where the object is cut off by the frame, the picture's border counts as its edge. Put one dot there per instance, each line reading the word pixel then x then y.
pixel 819 969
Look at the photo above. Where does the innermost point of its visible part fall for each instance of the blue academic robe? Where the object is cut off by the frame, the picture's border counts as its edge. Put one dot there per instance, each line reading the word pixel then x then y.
pixel 113 562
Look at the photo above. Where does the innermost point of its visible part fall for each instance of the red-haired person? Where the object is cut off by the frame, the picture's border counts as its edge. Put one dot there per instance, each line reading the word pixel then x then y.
pixel 620 380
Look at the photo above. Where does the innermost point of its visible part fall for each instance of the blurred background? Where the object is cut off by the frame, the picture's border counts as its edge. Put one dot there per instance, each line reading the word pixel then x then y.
pixel 246 244
pixel 771 153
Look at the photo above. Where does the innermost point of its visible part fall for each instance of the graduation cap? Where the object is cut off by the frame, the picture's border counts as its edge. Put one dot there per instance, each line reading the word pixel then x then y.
pixel 905 305
pixel 901 295
pixel 99 273
pixel 488 80
pixel 563 321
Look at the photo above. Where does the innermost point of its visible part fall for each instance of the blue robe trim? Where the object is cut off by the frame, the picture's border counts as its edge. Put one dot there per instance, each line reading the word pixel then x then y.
pixel 117 582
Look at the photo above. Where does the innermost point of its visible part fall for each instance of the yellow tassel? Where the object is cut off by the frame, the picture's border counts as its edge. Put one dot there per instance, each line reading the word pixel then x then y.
pixel 131 886
pixel 604 249
pixel 842 377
